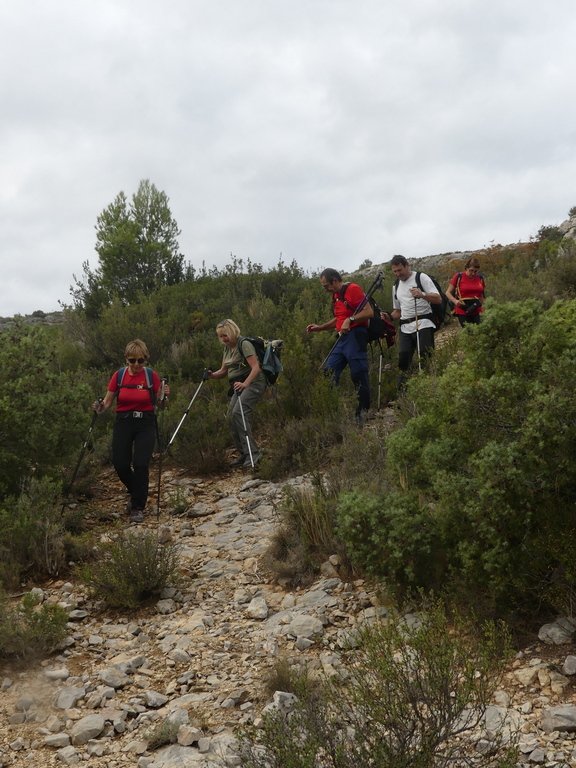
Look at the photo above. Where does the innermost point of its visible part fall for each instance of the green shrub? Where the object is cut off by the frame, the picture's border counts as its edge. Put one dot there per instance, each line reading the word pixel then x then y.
pixel 415 693
pixel 392 537
pixel 44 413
pixel 133 568
pixel 484 467
pixel 29 630
pixel 32 543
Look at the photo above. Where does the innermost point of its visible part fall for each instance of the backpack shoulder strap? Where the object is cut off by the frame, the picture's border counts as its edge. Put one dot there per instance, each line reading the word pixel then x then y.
pixel 340 295
pixel 150 384
pixel 241 340
pixel 120 377
pixel 457 286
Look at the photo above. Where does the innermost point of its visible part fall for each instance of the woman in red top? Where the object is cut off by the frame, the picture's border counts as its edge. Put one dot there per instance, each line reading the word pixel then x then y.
pixel 466 292
pixel 134 429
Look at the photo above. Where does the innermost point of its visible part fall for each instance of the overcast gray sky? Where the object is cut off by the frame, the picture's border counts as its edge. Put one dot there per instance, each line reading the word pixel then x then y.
pixel 330 131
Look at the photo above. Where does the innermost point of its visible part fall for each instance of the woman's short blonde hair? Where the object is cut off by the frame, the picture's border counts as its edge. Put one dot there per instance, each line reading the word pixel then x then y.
pixel 229 328
pixel 136 348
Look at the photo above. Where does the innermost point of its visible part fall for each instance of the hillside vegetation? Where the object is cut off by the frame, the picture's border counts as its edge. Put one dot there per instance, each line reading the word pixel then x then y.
pixel 471 494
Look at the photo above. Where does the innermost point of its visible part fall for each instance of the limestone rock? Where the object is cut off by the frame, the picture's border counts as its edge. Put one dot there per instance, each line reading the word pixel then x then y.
pixel 114 677
pixel 257 608
pixel 69 697
pixel 562 718
pixel 89 727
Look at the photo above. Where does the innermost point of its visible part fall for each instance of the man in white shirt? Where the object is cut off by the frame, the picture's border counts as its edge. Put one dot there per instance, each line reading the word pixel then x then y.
pixel 412 307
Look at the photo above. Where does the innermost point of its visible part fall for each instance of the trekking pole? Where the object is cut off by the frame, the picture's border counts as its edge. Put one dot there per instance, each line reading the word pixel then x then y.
pixel 380 373
pixel 245 430
pixel 160 439
pixel 417 335
pixel 94 417
pixel 204 378
pixel 323 363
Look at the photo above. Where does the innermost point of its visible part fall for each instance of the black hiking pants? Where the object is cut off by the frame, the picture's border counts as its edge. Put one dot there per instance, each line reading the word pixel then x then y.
pixel 408 345
pixel 132 445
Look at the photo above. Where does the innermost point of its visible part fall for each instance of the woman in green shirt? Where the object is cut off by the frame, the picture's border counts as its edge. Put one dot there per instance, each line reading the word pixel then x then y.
pixel 240 364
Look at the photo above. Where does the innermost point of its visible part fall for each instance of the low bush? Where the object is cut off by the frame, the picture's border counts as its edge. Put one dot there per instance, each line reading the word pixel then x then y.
pixel 415 696
pixel 133 568
pixel 358 461
pixel 28 631
pixel 165 732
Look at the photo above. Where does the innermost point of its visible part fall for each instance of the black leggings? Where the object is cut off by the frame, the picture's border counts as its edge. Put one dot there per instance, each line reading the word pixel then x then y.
pixel 469 319
pixel 132 445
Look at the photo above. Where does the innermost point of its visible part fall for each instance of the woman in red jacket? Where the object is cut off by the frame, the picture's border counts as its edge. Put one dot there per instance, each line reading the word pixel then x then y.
pixel 137 388
pixel 466 291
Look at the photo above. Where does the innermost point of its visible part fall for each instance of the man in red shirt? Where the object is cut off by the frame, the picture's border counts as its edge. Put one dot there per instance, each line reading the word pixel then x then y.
pixel 352 325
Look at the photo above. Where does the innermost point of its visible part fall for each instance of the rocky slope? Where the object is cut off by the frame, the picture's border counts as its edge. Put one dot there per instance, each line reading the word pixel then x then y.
pixel 199 655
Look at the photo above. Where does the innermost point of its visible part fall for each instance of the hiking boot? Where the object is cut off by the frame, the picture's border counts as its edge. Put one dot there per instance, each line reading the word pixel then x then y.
pixel 239 462
pixel 137 516
pixel 255 456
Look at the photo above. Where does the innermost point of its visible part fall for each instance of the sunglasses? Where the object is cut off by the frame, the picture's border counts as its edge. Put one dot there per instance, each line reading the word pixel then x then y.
pixel 139 360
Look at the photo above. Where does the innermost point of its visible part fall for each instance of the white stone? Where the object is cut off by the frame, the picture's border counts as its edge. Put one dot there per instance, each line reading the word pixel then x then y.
pixel 257 608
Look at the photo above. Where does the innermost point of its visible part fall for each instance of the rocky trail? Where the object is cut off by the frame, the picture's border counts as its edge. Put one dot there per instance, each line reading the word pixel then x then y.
pixel 200 654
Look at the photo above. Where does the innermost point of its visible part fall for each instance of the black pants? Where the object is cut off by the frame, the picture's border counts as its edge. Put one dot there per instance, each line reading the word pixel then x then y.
pixel 469 319
pixel 407 345
pixel 132 445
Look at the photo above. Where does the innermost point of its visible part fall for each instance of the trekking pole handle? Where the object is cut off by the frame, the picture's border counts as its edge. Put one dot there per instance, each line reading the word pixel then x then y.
pixel 206 374
pixel 368 295
pixel 97 407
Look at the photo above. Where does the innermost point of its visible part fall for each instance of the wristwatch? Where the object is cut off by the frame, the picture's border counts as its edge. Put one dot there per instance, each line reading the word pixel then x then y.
pixel 353 319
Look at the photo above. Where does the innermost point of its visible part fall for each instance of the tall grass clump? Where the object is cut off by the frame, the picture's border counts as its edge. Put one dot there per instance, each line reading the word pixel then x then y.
pixel 305 537
pixel 133 568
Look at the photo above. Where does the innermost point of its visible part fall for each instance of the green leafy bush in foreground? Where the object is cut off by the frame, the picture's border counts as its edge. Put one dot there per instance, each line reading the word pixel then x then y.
pixel 483 476
pixel 29 630
pixel 44 411
pixel 416 692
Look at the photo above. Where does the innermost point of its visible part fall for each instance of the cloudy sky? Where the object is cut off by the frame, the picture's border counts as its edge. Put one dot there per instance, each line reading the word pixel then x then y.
pixel 330 131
